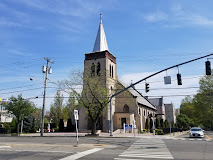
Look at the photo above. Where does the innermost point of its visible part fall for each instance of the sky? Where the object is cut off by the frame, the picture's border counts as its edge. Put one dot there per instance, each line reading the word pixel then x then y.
pixel 144 36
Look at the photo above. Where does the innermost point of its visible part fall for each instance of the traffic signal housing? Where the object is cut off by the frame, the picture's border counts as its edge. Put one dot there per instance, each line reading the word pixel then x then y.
pixel 147 87
pixel 208 68
pixel 179 80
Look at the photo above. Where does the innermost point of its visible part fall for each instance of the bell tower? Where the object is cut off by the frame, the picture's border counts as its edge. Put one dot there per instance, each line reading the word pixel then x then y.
pixel 101 63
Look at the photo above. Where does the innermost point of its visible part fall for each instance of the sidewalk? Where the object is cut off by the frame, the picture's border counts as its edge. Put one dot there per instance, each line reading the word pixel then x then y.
pixel 121 135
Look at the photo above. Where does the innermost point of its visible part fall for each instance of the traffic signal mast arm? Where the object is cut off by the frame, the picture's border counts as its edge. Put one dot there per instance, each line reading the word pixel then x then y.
pixel 133 84
pixel 160 72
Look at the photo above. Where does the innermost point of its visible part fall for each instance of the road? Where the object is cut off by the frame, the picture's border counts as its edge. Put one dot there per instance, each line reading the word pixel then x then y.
pixel 97 148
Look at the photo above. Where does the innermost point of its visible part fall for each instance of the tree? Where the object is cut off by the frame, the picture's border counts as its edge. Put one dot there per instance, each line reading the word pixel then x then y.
pixel 183 121
pixel 20 108
pixel 157 123
pixel 37 115
pixel 69 107
pixel 147 124
pixel 56 108
pixel 161 123
pixel 90 92
pixel 61 125
pixel 29 124
pixel 203 102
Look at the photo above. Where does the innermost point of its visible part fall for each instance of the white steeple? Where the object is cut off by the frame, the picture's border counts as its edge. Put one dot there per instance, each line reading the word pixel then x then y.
pixel 100 42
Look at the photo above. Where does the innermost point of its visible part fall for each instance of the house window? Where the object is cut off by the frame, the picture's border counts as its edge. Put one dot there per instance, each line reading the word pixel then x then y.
pixel 112 71
pixel 139 111
pixel 98 69
pixel 93 69
pixel 126 108
pixel 144 113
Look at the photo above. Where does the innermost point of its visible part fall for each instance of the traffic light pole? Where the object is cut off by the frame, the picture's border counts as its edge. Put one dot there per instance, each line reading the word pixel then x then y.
pixel 111 118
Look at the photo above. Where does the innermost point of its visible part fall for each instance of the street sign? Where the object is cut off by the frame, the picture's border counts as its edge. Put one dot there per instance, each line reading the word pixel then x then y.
pixel 76 114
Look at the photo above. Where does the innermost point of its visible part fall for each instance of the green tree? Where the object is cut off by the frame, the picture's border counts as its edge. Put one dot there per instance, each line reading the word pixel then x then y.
pixel 94 96
pixel 69 107
pixel 183 121
pixel 37 115
pixel 187 107
pixel 157 123
pixel 20 108
pixel 56 108
pixel 147 124
pixel 29 124
pixel 203 102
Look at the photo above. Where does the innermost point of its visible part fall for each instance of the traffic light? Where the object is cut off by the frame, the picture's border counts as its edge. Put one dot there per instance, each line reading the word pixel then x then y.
pixel 150 115
pixel 179 79
pixel 147 87
pixel 208 68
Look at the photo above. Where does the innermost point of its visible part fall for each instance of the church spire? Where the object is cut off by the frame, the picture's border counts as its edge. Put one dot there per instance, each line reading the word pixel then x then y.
pixel 100 42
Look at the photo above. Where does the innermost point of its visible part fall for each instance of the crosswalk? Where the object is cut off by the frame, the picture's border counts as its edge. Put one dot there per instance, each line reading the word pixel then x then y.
pixel 146 149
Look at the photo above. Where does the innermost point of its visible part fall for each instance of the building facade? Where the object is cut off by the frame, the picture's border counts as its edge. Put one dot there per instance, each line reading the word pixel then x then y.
pixel 158 102
pixel 128 106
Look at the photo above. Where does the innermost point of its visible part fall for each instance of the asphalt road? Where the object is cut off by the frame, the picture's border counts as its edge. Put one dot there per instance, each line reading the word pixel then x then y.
pixel 91 148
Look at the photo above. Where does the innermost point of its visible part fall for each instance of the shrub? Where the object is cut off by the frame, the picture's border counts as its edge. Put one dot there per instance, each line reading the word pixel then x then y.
pixel 144 131
pixel 159 132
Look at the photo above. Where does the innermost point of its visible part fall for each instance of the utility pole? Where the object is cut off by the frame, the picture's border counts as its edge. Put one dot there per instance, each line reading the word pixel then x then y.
pixel 46 70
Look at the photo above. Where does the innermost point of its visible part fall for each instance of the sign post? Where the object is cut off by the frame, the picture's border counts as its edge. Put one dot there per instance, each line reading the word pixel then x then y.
pixel 76 124
pixel 153 125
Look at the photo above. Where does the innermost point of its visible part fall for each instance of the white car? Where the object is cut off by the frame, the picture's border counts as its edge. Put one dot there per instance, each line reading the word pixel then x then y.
pixel 196 132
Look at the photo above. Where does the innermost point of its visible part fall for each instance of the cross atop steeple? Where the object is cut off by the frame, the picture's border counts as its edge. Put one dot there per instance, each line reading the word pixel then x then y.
pixel 100 42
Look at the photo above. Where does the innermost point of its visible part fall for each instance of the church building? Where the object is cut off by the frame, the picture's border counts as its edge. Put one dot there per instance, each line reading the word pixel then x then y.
pixel 129 105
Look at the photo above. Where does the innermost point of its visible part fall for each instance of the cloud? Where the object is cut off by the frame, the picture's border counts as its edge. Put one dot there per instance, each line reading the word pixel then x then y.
pixel 177 16
pixel 156 17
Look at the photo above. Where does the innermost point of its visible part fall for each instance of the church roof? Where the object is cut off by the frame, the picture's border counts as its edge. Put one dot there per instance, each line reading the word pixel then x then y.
pixel 156 101
pixel 139 97
pixel 100 42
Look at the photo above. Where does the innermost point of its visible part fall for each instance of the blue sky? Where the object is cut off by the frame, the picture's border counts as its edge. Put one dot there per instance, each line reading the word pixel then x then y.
pixel 145 36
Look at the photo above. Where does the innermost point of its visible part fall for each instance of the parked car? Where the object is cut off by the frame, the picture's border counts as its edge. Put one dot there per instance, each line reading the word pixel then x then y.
pixel 196 132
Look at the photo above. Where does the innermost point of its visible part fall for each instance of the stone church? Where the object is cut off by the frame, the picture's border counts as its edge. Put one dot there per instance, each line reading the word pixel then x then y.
pixel 126 106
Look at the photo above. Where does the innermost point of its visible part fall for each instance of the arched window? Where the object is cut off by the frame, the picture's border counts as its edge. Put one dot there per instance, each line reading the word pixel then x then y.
pixel 126 108
pixel 98 69
pixel 93 69
pixel 139 111
pixel 112 71
pixel 144 113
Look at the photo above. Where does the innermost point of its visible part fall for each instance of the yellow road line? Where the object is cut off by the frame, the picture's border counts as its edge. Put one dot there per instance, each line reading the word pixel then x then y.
pixel 208 137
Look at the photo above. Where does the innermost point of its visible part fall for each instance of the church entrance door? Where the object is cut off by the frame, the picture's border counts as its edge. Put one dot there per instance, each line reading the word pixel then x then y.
pixel 123 120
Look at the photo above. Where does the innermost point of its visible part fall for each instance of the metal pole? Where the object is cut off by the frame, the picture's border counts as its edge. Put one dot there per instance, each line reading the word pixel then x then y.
pixel 147 78
pixel 44 100
pixel 153 126
pixel 111 120
pixel 76 130
pixel 170 129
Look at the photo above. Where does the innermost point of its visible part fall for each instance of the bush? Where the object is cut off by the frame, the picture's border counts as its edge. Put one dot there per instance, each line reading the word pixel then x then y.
pixel 144 131
pixel 159 132
pixel 61 125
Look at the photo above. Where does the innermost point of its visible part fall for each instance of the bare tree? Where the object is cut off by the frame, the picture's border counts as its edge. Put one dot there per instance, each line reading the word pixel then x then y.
pixel 91 93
